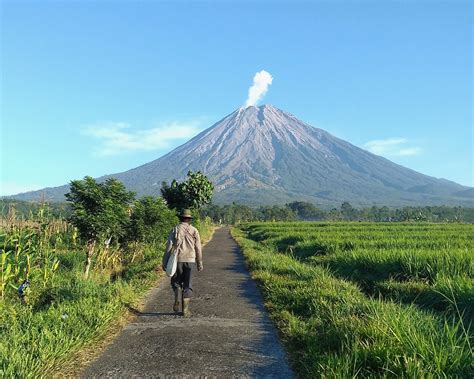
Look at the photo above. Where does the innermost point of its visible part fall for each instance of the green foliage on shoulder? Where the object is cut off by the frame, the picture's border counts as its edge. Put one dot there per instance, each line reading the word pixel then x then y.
pixel 194 192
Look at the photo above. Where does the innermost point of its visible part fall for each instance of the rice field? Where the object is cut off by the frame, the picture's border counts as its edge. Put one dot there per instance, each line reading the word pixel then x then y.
pixel 368 299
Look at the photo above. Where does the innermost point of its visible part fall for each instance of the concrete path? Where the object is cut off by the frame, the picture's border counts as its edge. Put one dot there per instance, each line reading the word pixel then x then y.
pixel 228 335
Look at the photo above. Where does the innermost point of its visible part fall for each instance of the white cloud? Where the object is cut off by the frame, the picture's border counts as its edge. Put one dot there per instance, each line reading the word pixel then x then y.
pixel 410 151
pixel 14 188
pixel 259 88
pixel 116 137
pixel 392 147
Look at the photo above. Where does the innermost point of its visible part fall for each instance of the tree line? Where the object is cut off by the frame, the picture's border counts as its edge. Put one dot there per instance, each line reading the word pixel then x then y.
pixel 305 211
pixel 196 192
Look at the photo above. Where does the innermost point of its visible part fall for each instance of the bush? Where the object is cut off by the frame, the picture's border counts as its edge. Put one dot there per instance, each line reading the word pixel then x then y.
pixel 150 221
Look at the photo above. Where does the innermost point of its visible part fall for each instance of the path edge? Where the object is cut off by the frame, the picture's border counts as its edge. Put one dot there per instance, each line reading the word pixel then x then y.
pixel 77 362
pixel 278 333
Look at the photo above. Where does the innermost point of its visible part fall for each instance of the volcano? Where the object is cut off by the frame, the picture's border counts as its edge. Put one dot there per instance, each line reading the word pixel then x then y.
pixel 263 155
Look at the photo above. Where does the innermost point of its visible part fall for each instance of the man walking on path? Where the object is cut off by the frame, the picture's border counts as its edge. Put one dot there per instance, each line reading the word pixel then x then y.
pixel 229 336
pixel 187 241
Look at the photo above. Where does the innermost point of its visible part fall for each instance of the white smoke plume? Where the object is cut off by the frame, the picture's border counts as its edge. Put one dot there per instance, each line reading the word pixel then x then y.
pixel 259 88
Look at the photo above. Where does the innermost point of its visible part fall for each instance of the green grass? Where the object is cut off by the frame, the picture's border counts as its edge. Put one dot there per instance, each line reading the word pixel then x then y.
pixel 367 300
pixel 66 312
pixel 70 312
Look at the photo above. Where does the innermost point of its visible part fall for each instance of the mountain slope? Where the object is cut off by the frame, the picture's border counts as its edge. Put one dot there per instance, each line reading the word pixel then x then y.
pixel 263 155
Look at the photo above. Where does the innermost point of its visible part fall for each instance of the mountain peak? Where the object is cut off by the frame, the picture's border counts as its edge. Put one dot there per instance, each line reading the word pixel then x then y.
pixel 260 114
pixel 263 107
pixel 268 107
pixel 264 155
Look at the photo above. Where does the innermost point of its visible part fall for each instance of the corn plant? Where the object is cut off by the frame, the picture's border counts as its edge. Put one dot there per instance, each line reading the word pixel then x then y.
pixel 50 266
pixel 6 273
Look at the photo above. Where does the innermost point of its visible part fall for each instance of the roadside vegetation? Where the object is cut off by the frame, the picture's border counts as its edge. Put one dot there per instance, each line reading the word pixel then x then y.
pixel 63 282
pixel 368 299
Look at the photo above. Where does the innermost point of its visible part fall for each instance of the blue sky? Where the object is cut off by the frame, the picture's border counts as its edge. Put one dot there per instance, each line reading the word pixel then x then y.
pixel 98 87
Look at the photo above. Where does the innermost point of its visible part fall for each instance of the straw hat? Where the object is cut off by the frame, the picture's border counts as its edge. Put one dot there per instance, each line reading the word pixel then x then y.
pixel 186 213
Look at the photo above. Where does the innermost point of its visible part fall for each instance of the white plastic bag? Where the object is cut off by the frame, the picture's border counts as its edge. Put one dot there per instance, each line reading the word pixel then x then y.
pixel 172 263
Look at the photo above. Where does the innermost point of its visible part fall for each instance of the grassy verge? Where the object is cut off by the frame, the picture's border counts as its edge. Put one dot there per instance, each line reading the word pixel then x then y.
pixel 70 312
pixel 332 329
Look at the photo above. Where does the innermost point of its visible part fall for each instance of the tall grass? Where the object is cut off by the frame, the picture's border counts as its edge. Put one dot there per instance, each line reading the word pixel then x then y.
pixel 335 309
pixel 61 310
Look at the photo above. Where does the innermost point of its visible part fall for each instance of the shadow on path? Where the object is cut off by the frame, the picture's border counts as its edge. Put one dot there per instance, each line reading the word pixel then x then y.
pixel 228 335
pixel 138 313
